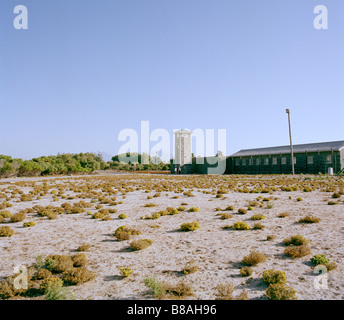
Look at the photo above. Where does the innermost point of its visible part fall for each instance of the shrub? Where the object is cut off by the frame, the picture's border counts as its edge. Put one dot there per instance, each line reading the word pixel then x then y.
pixel 122 216
pixel 190 226
pixel 258 226
pixel 225 292
pixel 241 226
pixel 77 276
pixel 190 267
pixel 150 204
pixel 270 237
pixel 297 240
pixel 274 276
pixel 297 251
pixel 58 263
pixel 5 214
pixel 336 195
pixel 6 231
pixel 193 209
pixel 246 271
pixel 258 216
pixel 57 293
pixel 84 247
pixel 141 244
pixel 18 217
pixel 280 292
pixel 126 271
pixel 43 274
pixel 156 286
pixel 331 203
pixel 320 259
pixel 229 208
pixel 225 215
pixel 253 258
pixel 283 215
pixel 79 260
pixel 181 208
pixel 299 199
pixel 180 289
pixel 29 224
pixel 309 219
pixel 51 282
pixel 242 211
pixel 123 233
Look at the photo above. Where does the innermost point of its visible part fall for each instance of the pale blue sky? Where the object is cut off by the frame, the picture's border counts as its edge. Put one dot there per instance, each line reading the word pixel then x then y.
pixel 85 70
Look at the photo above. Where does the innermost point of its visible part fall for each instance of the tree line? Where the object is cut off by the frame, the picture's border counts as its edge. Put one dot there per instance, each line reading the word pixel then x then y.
pixel 69 163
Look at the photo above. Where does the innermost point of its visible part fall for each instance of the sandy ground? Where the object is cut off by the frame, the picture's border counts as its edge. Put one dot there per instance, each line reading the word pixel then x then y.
pixel 217 251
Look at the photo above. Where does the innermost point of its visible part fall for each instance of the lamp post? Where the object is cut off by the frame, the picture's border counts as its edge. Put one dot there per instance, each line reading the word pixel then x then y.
pixel 291 144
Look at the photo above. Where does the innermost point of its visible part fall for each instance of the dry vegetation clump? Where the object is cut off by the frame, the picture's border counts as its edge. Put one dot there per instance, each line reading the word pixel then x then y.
pixel 283 215
pixel 84 247
pixel 246 271
pixel 163 289
pixel 253 258
pixel 240 225
pixel 193 209
pixel 280 292
pixel 309 219
pixel 273 276
pixel 18 217
pixel 189 226
pixel 225 215
pixel 296 240
pixel 77 276
pixel 190 267
pixel 225 292
pixel 297 251
pixel 6 231
pixel 123 233
pixel 141 244
pixel 242 211
pixel 258 216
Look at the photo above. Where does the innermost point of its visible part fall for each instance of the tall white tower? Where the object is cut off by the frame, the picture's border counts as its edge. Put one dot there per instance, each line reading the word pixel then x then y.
pixel 182 153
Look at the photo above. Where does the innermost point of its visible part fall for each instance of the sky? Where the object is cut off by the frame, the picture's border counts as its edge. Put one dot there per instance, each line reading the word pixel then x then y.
pixel 84 71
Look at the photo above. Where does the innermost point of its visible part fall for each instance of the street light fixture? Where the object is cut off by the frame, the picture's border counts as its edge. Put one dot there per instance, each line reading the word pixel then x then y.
pixel 291 144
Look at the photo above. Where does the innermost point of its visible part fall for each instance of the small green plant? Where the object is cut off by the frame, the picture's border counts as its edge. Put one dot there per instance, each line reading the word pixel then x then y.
pixel 126 271
pixel 122 216
pixel 193 209
pixel 320 259
pixel 156 286
pixel 51 282
pixel 190 226
pixel 29 224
